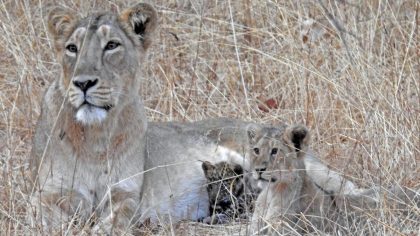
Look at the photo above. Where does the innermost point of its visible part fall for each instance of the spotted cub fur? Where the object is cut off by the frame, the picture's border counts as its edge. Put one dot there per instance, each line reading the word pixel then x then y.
pixel 230 195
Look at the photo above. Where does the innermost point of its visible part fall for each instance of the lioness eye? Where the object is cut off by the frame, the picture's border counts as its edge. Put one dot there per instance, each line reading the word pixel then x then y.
pixel 274 151
pixel 72 48
pixel 257 151
pixel 111 45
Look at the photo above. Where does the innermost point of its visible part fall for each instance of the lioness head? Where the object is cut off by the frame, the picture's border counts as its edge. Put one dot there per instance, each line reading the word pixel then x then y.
pixel 101 57
pixel 275 151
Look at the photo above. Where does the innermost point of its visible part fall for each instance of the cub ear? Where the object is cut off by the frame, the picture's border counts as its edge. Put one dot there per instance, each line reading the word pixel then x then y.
pixel 142 19
pixel 297 136
pixel 253 131
pixel 60 22
pixel 207 168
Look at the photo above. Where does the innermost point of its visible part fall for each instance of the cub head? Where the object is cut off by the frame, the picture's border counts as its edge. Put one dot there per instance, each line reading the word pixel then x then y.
pixel 275 151
pixel 224 185
pixel 263 144
pixel 101 57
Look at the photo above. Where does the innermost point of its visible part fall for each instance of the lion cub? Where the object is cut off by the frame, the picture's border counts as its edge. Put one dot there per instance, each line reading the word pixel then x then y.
pixel 284 181
pixel 230 196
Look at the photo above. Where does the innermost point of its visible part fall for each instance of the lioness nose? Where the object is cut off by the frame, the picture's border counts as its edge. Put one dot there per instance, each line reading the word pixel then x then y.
pixel 85 85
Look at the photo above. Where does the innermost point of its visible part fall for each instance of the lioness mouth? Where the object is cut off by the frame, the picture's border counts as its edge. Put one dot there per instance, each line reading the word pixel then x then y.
pixel 106 107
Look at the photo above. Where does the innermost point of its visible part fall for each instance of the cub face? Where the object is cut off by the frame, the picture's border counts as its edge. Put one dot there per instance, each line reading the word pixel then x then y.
pixel 100 57
pixel 224 186
pixel 275 151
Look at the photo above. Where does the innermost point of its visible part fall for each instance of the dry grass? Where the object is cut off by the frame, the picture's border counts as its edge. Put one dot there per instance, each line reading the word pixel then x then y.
pixel 349 70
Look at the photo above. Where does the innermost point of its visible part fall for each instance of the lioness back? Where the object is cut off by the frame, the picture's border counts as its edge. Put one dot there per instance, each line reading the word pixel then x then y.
pixel 227 132
pixel 253 140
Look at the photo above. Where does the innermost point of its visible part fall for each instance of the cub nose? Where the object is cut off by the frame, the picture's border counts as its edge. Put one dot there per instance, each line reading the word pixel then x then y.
pixel 85 84
pixel 225 203
pixel 261 169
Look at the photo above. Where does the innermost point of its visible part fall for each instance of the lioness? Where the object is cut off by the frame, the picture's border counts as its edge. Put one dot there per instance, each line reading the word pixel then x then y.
pixel 94 160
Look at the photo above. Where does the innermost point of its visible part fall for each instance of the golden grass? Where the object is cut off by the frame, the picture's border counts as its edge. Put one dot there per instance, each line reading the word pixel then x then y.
pixel 349 70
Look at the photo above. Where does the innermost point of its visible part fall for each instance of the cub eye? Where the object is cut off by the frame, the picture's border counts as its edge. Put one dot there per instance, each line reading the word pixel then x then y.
pixel 274 151
pixel 72 48
pixel 111 45
pixel 257 151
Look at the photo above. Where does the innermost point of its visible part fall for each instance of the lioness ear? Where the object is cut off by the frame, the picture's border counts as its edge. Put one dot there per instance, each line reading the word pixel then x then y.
pixel 207 167
pixel 297 136
pixel 142 19
pixel 60 22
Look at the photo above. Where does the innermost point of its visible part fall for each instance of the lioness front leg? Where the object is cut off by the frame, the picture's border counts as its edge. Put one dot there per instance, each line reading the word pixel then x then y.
pixel 60 210
pixel 121 213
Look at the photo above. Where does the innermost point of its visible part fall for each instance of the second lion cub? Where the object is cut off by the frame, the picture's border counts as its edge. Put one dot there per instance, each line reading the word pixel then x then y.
pixel 230 195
